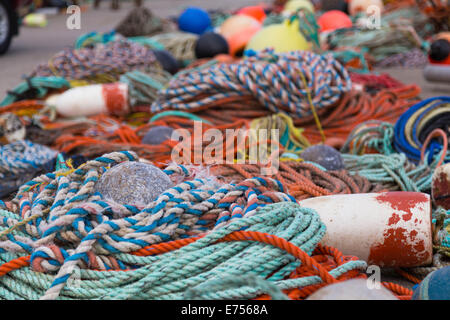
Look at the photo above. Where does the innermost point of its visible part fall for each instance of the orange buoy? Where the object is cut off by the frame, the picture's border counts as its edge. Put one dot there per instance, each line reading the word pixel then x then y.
pixel 238 30
pixel 334 19
pixel 256 12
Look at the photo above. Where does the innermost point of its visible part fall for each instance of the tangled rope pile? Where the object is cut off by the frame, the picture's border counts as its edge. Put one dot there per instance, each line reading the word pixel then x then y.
pixel 141 21
pixel 103 63
pixel 180 44
pixel 273 80
pixel 357 107
pixel 20 161
pixel 379 43
pixel 95 234
pixel 414 128
pixel 302 180
pixel 415 58
pixel 143 87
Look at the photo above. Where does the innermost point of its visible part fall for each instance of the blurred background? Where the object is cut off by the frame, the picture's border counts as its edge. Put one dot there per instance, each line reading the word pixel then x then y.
pixel 36 45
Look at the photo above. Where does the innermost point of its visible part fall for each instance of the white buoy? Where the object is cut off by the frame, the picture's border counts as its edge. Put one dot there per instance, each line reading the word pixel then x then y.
pixel 111 98
pixel 389 229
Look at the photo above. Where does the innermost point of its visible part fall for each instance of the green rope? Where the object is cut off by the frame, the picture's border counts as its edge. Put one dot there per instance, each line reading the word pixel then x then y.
pixel 37 87
pixel 203 269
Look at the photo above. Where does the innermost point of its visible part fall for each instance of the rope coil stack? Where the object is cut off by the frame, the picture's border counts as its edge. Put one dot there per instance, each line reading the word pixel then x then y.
pixel 224 230
pixel 93 233
pixel 266 77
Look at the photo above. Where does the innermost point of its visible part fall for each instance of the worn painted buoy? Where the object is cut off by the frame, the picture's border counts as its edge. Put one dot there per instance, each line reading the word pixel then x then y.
pixel 11 128
pixel 389 229
pixel 194 20
pixel 326 156
pixel 111 98
pixel 157 135
pixel 435 286
pixel 354 289
pixel 440 186
pixel 133 183
pixel 211 44
pixel 167 61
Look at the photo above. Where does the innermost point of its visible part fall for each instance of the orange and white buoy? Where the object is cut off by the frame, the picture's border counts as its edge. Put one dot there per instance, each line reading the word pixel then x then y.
pixel 111 98
pixel 389 229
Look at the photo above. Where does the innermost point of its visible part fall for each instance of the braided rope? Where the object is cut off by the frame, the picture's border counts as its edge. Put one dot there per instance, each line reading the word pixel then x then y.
pixel 270 79
pixel 293 229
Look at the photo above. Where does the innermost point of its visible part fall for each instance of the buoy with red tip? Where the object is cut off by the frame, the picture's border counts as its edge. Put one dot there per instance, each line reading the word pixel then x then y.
pixel 111 98
pixel 388 229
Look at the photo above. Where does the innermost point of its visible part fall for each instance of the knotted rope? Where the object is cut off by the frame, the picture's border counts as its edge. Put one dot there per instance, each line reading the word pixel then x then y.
pixel 272 80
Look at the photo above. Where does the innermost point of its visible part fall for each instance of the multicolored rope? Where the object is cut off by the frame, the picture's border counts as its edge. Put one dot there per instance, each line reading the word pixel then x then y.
pixel 268 78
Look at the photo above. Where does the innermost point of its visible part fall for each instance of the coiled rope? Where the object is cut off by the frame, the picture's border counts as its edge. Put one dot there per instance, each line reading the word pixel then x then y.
pixel 20 161
pixel 270 79
pixel 92 233
pixel 103 63
pixel 302 180
pixel 416 124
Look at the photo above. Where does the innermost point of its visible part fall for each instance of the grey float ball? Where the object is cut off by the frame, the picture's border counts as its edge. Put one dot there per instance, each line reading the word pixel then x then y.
pixel 157 135
pixel 133 183
pixel 326 156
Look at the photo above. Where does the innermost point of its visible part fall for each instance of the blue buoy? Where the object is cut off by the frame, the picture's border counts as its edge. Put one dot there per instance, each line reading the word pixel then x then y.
pixel 435 286
pixel 194 20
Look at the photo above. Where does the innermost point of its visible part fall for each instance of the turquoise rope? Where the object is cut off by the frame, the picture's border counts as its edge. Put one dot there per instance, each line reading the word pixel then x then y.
pixel 42 85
